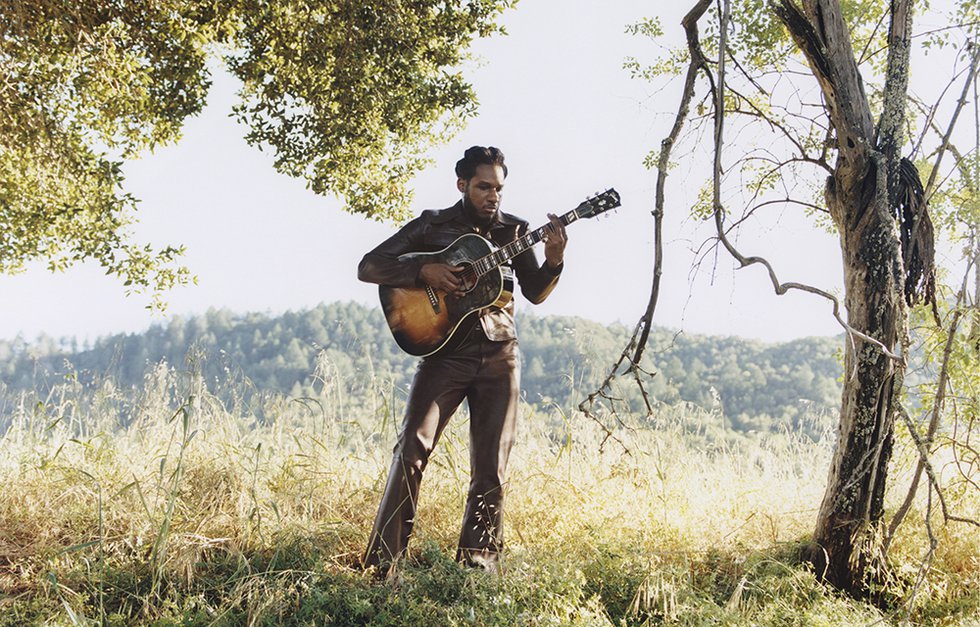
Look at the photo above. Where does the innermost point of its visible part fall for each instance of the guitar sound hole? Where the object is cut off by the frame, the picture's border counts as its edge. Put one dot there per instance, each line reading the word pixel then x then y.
pixel 468 276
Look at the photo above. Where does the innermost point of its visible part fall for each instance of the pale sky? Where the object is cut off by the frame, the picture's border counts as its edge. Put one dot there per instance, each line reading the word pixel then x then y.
pixel 554 97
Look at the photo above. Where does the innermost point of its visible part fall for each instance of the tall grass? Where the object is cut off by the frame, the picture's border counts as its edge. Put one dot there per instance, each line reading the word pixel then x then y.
pixel 164 506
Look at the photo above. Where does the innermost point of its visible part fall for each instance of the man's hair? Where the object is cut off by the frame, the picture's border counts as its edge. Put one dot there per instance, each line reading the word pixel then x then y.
pixel 476 156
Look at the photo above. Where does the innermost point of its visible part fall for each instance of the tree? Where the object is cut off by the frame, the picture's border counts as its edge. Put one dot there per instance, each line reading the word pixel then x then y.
pixel 348 95
pixel 851 133
pixel 863 195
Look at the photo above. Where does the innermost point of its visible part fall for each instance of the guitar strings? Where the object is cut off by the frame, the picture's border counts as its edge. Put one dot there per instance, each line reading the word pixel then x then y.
pixel 493 259
pixel 488 262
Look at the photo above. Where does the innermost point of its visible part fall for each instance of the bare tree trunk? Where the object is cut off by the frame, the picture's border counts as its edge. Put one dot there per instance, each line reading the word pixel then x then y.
pixel 850 519
pixel 862 195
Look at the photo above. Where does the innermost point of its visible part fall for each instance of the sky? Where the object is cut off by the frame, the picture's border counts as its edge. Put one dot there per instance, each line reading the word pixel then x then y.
pixel 555 98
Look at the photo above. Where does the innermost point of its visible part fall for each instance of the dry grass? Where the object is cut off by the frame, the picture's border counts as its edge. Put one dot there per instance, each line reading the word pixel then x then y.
pixel 180 511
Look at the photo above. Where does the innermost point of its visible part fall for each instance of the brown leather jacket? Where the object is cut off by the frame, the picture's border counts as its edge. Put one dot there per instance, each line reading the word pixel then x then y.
pixel 436 229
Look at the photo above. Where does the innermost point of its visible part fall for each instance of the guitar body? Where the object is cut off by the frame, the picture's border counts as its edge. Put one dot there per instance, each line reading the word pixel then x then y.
pixel 422 319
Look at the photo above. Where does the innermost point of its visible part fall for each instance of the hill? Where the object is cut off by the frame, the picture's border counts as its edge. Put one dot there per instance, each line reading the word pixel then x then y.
pixel 747 385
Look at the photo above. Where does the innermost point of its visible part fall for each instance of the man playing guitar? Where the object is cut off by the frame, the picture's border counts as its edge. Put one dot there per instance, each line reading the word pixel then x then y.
pixel 480 363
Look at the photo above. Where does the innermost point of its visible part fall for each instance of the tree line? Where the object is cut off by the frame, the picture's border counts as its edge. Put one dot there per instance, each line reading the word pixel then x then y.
pixel 751 385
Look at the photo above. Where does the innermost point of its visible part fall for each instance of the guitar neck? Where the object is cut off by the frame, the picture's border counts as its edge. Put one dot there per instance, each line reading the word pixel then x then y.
pixel 506 253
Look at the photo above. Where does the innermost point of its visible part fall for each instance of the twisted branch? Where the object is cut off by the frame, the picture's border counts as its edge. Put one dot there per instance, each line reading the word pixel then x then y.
pixel 641 332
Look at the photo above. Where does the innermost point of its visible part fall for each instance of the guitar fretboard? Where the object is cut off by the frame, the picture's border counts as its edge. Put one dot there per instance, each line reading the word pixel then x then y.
pixel 506 253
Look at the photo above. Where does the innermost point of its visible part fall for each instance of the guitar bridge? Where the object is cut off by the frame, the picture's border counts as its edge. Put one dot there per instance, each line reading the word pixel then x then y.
pixel 433 298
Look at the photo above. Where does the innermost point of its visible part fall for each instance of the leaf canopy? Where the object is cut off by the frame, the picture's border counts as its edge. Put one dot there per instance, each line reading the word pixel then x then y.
pixel 347 95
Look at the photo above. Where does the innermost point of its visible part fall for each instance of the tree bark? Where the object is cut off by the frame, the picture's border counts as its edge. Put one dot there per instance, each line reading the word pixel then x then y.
pixel 850 519
pixel 861 197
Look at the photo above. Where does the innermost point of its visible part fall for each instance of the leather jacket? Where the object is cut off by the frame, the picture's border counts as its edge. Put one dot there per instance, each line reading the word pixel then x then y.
pixel 434 230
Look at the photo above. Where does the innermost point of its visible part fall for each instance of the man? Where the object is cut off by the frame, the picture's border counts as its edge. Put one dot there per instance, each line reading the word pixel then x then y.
pixel 481 364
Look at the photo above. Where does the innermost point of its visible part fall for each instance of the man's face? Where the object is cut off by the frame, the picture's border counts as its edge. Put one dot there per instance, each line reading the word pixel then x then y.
pixel 481 194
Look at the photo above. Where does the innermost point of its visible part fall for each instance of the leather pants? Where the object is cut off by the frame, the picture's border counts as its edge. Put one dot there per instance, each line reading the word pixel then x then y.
pixel 487 375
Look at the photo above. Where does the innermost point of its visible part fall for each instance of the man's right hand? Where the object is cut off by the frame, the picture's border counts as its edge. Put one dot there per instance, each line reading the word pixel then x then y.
pixel 442 276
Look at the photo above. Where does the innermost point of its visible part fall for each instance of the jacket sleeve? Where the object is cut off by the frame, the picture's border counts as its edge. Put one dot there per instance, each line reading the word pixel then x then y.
pixel 382 265
pixel 536 280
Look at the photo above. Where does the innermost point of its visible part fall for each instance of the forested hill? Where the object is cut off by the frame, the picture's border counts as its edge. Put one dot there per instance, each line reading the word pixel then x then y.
pixel 756 385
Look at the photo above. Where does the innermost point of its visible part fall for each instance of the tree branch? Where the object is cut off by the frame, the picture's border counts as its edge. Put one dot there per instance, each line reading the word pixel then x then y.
pixel 889 132
pixel 697 63
pixel 944 146
pixel 937 407
pixel 924 457
pixel 930 112
pixel 822 36
pixel 641 332
pixel 756 112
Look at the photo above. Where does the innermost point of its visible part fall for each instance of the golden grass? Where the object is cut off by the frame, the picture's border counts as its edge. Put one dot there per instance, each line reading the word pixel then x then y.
pixel 191 513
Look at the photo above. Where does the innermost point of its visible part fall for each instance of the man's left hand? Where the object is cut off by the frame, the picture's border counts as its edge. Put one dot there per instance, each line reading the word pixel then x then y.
pixel 555 239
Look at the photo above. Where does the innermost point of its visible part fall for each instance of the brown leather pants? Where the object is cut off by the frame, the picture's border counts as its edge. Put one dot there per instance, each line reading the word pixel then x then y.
pixel 487 375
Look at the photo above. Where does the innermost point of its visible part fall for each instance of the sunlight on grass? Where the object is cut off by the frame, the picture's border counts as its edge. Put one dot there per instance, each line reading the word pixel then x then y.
pixel 163 506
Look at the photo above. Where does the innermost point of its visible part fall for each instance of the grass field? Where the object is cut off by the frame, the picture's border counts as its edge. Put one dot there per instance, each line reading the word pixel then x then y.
pixel 161 506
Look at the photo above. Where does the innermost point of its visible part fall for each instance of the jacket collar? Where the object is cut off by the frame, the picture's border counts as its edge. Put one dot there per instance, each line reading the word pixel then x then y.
pixel 456 213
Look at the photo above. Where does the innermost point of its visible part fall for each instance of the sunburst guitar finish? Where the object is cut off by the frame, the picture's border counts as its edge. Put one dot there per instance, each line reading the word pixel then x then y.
pixel 422 320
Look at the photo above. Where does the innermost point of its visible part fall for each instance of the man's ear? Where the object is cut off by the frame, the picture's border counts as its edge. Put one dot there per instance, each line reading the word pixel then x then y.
pixel 461 185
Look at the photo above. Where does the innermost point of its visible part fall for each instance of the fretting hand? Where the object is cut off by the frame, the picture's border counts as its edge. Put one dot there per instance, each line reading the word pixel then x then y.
pixel 555 239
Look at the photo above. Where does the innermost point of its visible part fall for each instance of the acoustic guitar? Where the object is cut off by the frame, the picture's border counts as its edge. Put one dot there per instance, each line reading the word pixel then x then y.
pixel 423 319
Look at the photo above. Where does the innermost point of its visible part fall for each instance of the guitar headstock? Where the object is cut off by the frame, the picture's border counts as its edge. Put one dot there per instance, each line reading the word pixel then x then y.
pixel 600 203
